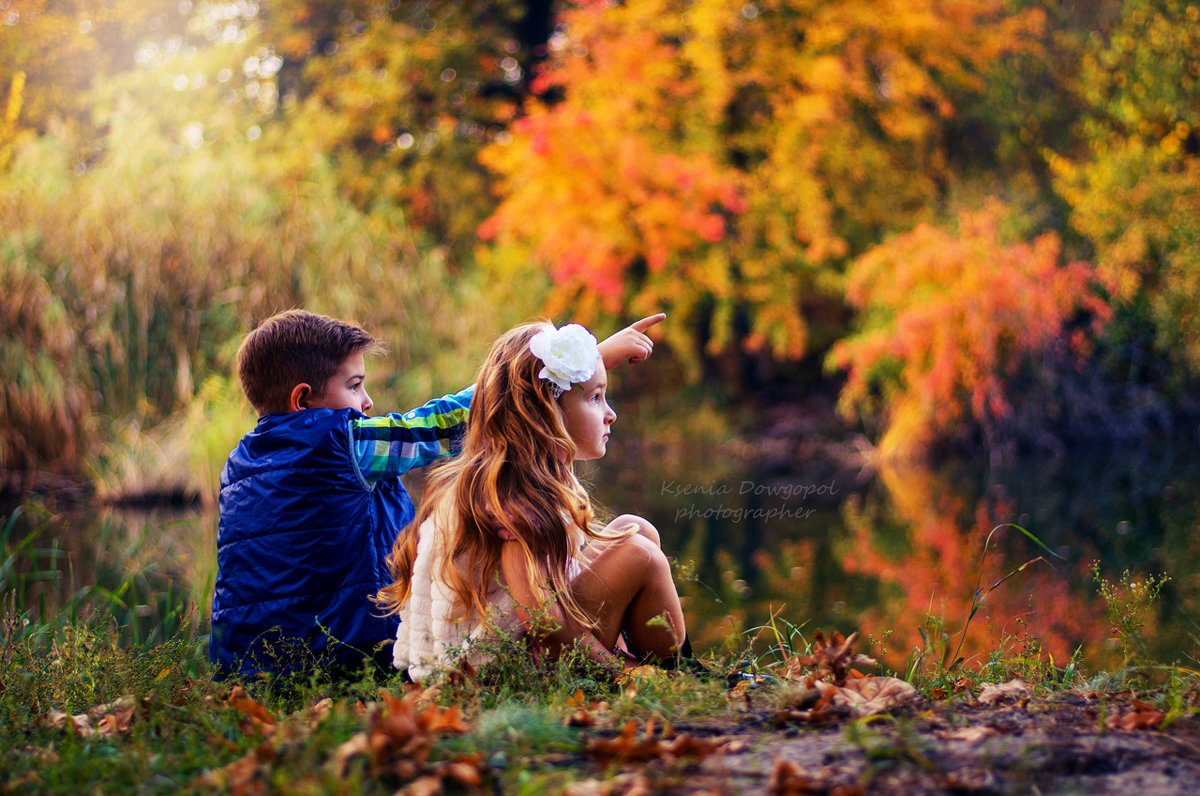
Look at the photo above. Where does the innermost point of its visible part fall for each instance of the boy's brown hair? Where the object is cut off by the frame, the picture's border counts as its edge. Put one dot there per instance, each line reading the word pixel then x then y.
pixel 294 347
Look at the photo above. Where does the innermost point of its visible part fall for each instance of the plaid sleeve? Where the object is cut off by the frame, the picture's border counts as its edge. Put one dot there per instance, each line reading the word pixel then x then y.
pixel 393 444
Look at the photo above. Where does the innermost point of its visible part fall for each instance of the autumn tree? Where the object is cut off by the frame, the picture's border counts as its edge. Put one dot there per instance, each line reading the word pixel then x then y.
pixel 400 99
pixel 950 318
pixel 1135 194
pixel 51 54
pixel 129 277
pixel 722 159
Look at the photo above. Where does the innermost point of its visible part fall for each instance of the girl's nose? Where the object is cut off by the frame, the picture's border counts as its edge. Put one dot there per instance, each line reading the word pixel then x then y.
pixel 367 402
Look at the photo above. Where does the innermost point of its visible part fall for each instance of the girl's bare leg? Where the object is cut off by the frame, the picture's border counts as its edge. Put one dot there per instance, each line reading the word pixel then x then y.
pixel 627 584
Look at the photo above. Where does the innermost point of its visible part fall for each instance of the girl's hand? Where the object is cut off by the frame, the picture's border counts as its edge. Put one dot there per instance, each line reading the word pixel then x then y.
pixel 631 344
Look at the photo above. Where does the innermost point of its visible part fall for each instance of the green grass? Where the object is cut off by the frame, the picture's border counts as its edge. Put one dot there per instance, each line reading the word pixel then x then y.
pixel 152 719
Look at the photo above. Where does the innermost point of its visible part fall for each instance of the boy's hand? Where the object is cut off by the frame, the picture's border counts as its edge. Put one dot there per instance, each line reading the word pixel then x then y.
pixel 631 344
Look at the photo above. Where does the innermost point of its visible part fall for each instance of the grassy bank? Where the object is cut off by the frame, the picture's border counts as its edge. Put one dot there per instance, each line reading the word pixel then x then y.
pixel 90 704
pixel 81 712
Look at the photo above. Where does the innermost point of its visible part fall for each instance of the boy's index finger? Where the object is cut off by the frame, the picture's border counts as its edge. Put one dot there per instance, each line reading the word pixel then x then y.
pixel 647 322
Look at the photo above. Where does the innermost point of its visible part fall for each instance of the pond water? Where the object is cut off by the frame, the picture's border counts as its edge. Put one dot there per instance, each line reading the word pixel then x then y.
pixel 762 542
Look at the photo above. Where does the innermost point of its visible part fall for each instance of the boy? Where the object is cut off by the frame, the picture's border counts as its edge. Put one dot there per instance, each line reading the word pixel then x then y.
pixel 311 499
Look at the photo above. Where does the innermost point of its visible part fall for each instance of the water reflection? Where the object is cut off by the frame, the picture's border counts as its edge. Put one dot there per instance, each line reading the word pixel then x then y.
pixel 148 574
pixel 899 551
pixel 895 552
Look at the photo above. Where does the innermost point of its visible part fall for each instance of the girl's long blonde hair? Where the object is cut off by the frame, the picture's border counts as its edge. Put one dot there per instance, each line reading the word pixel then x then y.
pixel 513 478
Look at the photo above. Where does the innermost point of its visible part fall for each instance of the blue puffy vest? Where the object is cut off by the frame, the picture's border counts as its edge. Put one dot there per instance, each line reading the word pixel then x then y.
pixel 301 548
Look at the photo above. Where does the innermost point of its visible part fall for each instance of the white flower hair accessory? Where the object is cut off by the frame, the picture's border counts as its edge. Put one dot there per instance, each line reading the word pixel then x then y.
pixel 568 354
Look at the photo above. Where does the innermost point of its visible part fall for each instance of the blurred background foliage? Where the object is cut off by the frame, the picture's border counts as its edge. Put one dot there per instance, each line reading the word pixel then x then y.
pixel 957 214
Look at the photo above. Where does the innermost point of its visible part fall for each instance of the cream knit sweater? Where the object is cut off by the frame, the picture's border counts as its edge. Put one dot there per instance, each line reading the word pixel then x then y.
pixel 429 636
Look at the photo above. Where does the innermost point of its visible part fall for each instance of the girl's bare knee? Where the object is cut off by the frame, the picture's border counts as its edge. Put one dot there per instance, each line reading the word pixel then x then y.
pixel 643 525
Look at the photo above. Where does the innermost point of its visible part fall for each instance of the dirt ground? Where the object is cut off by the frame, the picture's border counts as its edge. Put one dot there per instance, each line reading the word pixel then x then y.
pixel 1063 745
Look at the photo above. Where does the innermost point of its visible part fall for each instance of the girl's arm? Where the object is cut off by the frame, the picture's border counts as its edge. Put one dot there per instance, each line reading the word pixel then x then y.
pixel 562 632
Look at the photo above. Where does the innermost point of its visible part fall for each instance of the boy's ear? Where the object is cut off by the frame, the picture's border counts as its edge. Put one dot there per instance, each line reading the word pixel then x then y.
pixel 299 398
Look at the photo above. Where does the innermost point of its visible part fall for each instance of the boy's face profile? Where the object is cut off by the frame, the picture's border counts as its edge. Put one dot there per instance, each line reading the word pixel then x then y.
pixel 346 389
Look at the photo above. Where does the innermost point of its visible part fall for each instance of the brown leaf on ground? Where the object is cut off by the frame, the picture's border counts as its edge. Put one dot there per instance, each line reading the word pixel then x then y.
pixel 970 780
pixel 584 713
pixel 627 784
pixel 398 739
pixel 320 710
pixel 631 675
pixel 465 770
pixel 111 718
pixel 834 657
pixel 115 723
pixel 869 696
pixel 259 720
pixel 815 712
pixel 246 776
pixel 1013 690
pixel 1142 717
pixel 628 747
pixel 788 779
pixel 971 734
pixel 79 724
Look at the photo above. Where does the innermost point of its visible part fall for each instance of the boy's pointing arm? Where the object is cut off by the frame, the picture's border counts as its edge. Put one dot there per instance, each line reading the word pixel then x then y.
pixel 631 344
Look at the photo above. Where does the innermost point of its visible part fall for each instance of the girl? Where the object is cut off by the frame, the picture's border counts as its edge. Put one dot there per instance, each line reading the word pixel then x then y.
pixel 505 539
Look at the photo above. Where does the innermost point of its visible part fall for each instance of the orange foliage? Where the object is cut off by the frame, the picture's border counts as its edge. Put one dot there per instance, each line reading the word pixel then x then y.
pixel 956 315
pixel 715 158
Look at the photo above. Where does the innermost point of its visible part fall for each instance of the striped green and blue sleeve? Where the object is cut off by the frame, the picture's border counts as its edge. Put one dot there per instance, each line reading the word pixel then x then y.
pixel 393 444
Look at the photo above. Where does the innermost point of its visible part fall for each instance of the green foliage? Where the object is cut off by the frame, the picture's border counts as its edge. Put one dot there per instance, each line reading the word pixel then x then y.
pixel 130 280
pixel 401 101
pixel 1128 603
pixel 1134 193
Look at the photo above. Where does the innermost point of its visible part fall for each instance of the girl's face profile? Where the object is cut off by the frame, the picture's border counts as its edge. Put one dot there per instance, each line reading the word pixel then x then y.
pixel 587 415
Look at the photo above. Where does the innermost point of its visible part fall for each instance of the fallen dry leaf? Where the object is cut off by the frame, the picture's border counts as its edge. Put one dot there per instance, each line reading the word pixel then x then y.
pixel 1142 717
pixel 993 693
pixel 789 779
pixel 321 708
pixel 813 711
pixel 584 713
pixel 111 718
pixel 79 724
pixel 869 696
pixel 970 780
pixel 398 739
pixel 972 734
pixel 628 747
pixel 834 657
pixel 114 718
pixel 258 721
pixel 245 776
pixel 631 675
pixel 627 784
